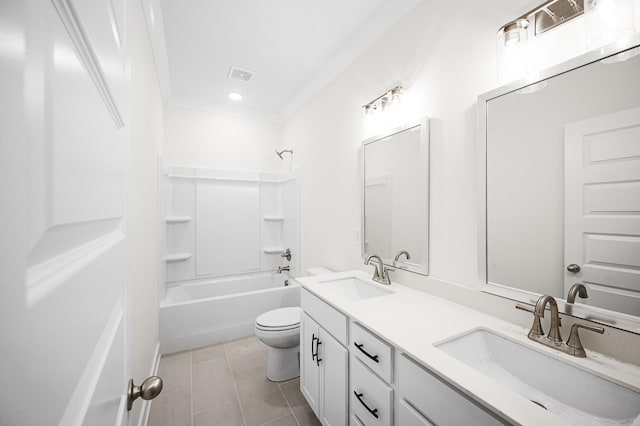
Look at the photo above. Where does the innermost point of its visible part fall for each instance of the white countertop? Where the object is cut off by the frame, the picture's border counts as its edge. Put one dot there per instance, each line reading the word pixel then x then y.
pixel 413 321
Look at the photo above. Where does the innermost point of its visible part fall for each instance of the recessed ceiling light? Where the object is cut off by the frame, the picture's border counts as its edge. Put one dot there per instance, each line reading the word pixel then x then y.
pixel 235 96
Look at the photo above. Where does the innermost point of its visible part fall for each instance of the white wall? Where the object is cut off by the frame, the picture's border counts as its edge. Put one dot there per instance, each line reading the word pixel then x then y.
pixel 444 54
pixel 210 140
pixel 146 137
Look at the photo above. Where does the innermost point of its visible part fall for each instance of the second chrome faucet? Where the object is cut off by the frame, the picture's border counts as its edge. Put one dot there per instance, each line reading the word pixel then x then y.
pixel 553 339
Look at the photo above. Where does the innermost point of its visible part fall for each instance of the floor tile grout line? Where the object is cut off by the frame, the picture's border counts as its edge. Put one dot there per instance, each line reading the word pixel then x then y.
pixel 235 386
pixel 293 413
pixel 279 418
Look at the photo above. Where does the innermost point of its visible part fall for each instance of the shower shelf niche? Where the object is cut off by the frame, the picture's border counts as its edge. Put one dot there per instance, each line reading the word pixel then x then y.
pixel 273 250
pixel 178 257
pixel 178 219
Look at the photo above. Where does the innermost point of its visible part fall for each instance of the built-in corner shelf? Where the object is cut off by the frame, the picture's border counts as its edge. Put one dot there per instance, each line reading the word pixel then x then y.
pixel 178 219
pixel 178 257
pixel 273 218
pixel 273 250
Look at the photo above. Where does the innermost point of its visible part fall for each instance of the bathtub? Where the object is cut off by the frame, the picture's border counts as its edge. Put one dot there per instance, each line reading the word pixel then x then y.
pixel 203 313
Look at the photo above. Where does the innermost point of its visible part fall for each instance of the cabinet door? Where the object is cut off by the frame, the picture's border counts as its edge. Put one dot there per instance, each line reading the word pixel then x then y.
pixel 334 361
pixel 309 369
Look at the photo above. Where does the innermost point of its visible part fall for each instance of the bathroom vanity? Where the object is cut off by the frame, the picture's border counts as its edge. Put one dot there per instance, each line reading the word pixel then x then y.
pixel 375 354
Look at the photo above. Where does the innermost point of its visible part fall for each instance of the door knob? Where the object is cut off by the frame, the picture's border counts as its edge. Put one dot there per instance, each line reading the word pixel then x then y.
pixel 573 268
pixel 149 389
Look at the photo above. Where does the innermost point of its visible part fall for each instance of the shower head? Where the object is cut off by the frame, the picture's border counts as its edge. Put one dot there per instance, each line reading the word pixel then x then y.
pixel 290 151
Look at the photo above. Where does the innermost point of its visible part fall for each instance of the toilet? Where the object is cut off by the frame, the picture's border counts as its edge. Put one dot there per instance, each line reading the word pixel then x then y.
pixel 279 329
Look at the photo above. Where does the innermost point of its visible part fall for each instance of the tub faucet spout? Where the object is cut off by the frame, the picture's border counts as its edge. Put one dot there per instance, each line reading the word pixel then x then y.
pixel 282 269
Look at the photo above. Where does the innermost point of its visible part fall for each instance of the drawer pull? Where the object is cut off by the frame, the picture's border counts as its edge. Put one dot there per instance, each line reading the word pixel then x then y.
pixel 318 359
pixel 373 412
pixel 359 346
pixel 313 354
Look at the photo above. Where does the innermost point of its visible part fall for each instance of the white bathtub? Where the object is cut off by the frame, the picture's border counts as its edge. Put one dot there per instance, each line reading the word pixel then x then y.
pixel 204 313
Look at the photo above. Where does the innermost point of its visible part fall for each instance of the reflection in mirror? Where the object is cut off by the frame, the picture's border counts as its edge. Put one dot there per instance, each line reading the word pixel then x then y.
pixel 563 188
pixel 395 197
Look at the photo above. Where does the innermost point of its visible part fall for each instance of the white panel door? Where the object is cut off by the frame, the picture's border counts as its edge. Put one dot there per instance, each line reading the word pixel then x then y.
pixel 334 359
pixel 63 250
pixel 602 209
pixel 309 367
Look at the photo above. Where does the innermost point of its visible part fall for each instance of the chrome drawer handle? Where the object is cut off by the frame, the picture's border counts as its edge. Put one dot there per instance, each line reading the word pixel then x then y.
pixel 359 346
pixel 373 412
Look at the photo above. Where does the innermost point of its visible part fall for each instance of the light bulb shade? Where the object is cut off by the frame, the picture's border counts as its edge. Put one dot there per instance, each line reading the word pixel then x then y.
pixel 512 50
pixel 608 21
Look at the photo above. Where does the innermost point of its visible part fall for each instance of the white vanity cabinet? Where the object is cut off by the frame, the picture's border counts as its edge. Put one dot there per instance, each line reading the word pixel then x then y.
pixel 324 360
pixel 424 399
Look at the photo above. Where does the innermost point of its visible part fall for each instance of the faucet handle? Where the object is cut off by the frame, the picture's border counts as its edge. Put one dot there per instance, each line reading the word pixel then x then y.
pixel 574 344
pixel 536 327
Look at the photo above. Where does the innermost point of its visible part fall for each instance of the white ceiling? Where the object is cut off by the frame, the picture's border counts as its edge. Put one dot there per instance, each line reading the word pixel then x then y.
pixel 294 47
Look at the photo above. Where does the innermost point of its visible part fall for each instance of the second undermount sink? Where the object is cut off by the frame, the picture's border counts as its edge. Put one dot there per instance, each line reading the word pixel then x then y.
pixel 354 288
pixel 569 392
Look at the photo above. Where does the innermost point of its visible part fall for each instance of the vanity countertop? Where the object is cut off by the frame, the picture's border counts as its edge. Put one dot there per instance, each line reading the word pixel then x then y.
pixel 414 321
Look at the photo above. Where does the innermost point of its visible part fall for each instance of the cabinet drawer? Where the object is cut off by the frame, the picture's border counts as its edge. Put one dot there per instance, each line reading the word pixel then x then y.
pixel 329 318
pixel 437 400
pixel 371 398
pixel 408 416
pixel 372 351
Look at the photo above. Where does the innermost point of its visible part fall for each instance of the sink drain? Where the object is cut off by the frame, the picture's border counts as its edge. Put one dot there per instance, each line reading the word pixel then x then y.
pixel 538 403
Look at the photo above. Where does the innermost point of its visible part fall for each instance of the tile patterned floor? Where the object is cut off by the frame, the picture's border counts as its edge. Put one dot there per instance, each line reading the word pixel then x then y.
pixel 225 384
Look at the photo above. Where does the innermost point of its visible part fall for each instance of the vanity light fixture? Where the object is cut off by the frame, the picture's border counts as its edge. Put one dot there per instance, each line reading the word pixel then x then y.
pixel 384 101
pixel 383 112
pixel 512 38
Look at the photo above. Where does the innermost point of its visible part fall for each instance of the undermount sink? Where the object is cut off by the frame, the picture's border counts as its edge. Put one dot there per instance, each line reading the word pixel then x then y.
pixel 567 391
pixel 353 288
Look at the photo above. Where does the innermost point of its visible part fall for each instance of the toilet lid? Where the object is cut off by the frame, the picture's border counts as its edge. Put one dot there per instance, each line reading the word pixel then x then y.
pixel 279 318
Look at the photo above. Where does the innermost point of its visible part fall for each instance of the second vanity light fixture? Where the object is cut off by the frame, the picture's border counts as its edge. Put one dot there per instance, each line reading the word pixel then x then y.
pixel 605 22
pixel 513 36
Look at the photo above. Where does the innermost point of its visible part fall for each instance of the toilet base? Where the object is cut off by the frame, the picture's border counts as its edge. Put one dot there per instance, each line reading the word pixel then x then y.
pixel 283 364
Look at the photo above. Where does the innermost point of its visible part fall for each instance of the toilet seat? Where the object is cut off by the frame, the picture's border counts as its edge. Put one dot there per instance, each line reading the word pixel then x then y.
pixel 281 319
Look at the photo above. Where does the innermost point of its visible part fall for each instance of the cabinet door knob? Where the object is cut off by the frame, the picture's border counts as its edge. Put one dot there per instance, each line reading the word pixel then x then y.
pixel 573 268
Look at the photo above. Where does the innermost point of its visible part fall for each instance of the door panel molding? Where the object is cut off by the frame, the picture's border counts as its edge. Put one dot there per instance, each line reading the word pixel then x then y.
pixel 88 56
pixel 92 385
pixel 43 279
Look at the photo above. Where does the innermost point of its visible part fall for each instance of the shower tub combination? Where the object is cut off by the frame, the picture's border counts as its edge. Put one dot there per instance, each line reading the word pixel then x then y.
pixel 204 313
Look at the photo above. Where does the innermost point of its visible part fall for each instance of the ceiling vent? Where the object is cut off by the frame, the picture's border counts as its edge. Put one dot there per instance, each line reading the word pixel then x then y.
pixel 240 74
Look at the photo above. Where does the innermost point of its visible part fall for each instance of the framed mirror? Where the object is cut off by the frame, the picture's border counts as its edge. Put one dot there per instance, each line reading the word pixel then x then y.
pixel 395 197
pixel 559 159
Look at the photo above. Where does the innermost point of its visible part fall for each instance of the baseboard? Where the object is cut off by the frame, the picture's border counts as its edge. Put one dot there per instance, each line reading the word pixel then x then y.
pixel 146 405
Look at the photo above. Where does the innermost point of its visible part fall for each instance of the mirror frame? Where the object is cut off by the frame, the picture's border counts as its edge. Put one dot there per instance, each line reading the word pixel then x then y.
pixel 600 315
pixel 421 265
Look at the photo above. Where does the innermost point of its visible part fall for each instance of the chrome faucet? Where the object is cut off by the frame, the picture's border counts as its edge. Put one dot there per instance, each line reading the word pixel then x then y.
pixel 381 272
pixel 578 289
pixel 553 339
pixel 282 269
pixel 400 253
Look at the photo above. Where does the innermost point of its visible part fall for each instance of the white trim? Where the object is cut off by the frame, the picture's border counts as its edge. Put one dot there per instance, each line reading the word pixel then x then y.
pixel 80 399
pixel 88 56
pixel 155 28
pixel 146 405
pixel 44 278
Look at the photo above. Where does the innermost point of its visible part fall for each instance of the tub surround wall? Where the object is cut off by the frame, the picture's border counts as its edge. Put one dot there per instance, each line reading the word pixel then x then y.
pixel 222 223
pixel 444 55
